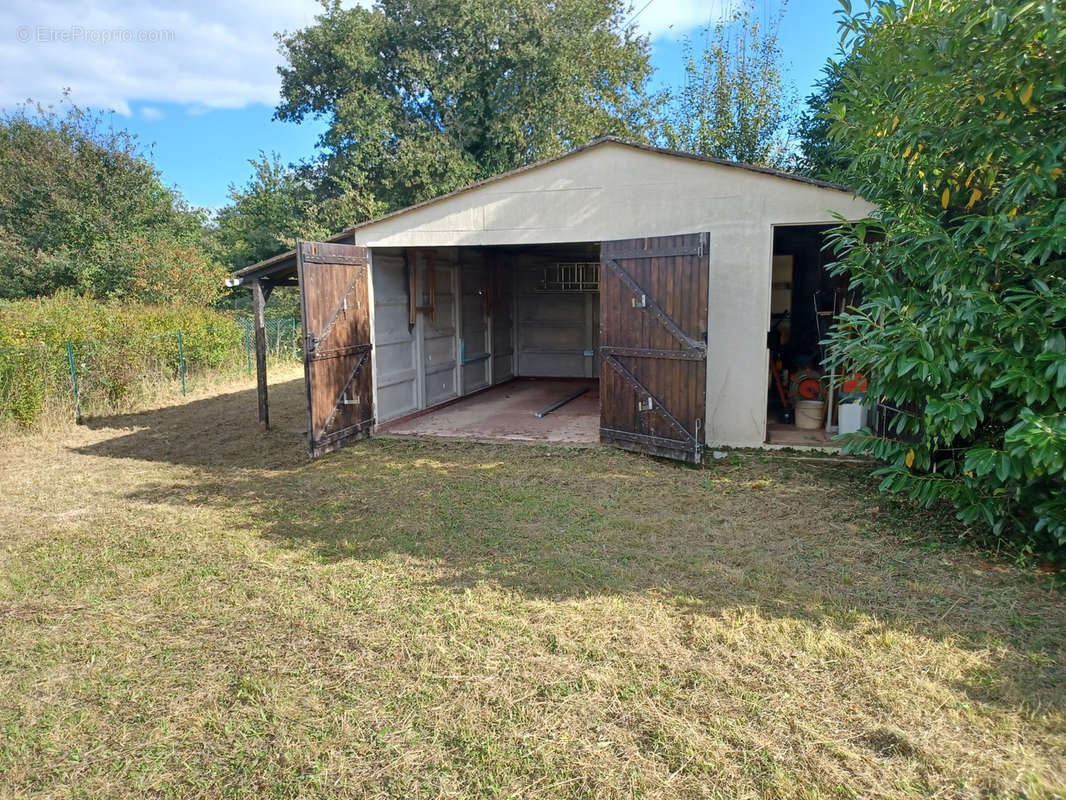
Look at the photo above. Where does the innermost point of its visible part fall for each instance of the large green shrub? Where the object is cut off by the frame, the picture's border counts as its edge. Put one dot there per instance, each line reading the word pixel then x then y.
pixel 118 349
pixel 82 208
pixel 952 114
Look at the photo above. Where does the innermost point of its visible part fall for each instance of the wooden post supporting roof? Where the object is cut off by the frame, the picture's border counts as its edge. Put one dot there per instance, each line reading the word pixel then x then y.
pixel 260 293
pixel 279 270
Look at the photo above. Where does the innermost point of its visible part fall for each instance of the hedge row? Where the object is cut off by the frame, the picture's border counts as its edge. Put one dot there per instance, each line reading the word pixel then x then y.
pixel 118 350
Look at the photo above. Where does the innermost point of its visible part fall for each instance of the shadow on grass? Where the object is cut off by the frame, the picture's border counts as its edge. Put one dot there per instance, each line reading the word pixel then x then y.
pixel 219 431
pixel 787 539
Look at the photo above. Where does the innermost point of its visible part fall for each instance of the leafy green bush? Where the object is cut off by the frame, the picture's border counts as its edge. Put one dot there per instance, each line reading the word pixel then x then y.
pixel 118 349
pixel 951 114
pixel 24 383
pixel 82 207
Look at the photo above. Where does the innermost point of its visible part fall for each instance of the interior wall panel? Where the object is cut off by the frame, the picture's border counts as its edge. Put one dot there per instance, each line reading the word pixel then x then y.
pixel 555 329
pixel 474 330
pixel 438 329
pixel 503 318
pixel 395 368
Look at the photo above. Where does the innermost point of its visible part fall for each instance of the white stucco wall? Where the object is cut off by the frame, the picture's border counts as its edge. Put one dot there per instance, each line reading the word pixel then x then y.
pixel 614 191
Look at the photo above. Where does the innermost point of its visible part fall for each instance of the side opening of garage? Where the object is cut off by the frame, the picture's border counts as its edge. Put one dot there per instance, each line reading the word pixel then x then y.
pixel 804 392
pixel 474 342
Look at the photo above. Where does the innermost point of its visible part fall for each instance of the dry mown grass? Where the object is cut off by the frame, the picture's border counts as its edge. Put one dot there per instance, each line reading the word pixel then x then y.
pixel 189 608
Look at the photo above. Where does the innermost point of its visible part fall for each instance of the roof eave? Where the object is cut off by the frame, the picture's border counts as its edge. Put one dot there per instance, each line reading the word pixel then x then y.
pixel 281 266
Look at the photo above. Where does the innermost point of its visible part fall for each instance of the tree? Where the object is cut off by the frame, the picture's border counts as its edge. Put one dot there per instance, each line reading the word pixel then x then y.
pixel 82 208
pixel 734 103
pixel 423 97
pixel 278 205
pixel 267 216
pixel 819 155
pixel 955 126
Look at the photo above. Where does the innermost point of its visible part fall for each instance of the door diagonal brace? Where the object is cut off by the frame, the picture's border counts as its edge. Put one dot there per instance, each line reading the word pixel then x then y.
pixel 651 305
pixel 342 305
pixel 635 382
pixel 344 391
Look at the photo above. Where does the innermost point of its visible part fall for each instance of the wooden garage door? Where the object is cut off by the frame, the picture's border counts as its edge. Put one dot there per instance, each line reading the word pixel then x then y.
pixel 653 344
pixel 334 300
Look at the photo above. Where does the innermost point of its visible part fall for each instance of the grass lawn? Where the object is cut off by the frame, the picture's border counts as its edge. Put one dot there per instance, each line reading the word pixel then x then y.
pixel 188 608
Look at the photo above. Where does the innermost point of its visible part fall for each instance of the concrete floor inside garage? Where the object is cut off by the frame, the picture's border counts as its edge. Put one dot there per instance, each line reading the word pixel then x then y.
pixel 506 412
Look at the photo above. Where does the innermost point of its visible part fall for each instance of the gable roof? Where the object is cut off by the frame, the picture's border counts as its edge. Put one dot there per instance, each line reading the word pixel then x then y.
pixel 286 261
pixel 776 173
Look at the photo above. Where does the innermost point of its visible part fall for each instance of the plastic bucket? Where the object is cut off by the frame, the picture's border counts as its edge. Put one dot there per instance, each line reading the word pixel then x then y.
pixel 809 414
pixel 852 417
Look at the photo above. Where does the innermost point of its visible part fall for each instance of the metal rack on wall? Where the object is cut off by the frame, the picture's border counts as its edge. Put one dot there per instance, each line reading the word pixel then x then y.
pixel 571 276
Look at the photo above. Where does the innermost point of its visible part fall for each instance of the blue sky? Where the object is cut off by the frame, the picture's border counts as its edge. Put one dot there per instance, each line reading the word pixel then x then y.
pixel 198 84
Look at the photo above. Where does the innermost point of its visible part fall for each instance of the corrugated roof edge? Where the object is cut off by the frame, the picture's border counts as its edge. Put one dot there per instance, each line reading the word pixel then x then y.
pixel 775 173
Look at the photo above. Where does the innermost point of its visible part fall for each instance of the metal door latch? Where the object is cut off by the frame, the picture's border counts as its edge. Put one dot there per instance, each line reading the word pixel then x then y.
pixel 641 303
pixel 346 401
pixel 646 405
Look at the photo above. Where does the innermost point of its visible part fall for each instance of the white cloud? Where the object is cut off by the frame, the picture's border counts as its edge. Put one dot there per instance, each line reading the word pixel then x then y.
pixel 202 53
pixel 152 114
pixel 111 52
pixel 669 19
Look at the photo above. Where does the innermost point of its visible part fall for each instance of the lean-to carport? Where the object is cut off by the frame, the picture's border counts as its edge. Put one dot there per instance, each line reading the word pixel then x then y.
pixel 292 269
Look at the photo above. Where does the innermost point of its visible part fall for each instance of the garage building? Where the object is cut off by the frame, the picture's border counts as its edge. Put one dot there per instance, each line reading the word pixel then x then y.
pixel 645 276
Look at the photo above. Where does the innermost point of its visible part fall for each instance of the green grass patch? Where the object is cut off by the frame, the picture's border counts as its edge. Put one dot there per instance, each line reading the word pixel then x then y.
pixel 188 607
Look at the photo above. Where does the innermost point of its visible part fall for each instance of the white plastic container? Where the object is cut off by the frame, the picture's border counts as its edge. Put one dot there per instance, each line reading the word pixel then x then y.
pixel 852 417
pixel 809 414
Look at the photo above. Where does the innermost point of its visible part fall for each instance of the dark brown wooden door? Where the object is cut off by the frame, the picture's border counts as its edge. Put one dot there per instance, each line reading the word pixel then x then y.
pixel 335 303
pixel 653 344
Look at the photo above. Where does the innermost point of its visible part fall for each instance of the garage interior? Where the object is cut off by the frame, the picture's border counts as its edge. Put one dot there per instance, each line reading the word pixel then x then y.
pixel 805 299
pixel 475 342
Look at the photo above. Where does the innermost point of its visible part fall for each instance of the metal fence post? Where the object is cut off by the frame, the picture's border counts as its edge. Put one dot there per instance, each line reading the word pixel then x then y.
pixel 181 361
pixel 74 380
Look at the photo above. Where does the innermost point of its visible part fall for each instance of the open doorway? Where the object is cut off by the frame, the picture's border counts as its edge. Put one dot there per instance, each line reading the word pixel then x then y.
pixel 496 343
pixel 461 326
pixel 805 300
pixel 403 330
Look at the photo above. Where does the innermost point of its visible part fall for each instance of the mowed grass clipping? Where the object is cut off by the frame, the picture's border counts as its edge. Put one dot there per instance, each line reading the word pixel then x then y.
pixel 189 608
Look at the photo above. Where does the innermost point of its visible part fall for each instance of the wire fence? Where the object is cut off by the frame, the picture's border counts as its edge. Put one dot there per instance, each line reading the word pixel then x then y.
pixel 94 375
pixel 283 339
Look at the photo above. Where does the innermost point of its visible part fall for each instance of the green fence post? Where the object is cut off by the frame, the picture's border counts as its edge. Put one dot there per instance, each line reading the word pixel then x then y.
pixel 181 361
pixel 74 380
